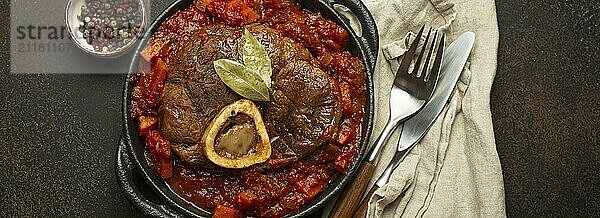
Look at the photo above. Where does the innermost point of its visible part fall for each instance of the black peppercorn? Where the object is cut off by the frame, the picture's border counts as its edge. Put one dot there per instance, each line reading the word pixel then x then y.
pixel 109 25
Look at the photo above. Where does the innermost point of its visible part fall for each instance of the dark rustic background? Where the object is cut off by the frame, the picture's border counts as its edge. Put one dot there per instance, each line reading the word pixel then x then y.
pixel 58 133
pixel 546 106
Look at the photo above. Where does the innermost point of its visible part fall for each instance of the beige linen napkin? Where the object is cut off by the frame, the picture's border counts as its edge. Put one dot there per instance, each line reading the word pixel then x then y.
pixel 454 171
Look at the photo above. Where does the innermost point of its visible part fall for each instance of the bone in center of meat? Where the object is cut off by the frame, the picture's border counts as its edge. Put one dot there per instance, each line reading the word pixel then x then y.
pixel 238 141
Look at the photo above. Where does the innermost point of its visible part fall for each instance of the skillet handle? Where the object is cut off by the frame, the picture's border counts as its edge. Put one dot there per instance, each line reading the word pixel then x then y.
pixel 364 205
pixel 370 35
pixel 347 203
pixel 127 175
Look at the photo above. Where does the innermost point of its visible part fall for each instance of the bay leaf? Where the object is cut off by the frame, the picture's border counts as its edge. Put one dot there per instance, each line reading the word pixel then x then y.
pixel 242 80
pixel 255 57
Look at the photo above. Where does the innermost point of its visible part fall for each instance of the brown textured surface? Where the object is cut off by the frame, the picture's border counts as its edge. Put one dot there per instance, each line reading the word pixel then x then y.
pixel 361 212
pixel 349 200
pixel 545 106
pixel 58 140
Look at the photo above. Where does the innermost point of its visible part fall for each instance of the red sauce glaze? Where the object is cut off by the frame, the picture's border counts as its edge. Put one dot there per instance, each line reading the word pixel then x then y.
pixel 159 150
pixel 233 12
pixel 255 191
pixel 176 28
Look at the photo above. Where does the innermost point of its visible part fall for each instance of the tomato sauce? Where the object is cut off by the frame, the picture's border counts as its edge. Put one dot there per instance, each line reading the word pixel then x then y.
pixel 254 191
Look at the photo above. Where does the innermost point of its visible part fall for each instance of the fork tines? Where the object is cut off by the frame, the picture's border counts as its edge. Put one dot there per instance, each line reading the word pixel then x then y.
pixel 421 72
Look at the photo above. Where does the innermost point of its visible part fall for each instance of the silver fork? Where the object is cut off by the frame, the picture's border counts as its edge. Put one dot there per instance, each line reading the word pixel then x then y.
pixel 409 94
pixel 411 91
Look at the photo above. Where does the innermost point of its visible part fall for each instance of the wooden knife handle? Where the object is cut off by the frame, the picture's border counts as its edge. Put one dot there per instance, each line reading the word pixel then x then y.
pixel 364 205
pixel 350 198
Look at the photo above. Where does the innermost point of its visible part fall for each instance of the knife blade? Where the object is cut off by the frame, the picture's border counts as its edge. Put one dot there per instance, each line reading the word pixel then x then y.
pixel 453 62
pixel 416 127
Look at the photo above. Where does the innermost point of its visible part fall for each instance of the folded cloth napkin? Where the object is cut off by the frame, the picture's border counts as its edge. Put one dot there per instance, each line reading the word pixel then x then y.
pixel 454 171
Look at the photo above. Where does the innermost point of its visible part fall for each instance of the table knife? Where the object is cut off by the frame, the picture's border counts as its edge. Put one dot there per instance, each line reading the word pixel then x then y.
pixel 416 127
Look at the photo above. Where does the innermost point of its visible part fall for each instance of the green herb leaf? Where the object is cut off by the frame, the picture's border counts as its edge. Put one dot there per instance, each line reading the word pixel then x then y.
pixel 253 80
pixel 242 80
pixel 256 58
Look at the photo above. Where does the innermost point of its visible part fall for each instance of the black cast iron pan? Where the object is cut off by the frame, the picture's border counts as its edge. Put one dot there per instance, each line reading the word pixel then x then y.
pixel 153 196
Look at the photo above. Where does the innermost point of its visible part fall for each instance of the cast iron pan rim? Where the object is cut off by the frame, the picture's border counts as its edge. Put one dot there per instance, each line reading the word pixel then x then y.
pixel 368 48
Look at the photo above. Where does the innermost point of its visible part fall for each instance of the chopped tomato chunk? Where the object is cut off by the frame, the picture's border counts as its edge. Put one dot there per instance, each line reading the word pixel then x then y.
pixel 160 151
pixel 344 159
pixel 223 211
pixel 312 185
pixel 164 168
pixel 147 92
pixel 346 101
pixel 147 123
pixel 232 12
pixel 346 134
pixel 325 59
pixel 247 199
pixel 293 201
pixel 153 48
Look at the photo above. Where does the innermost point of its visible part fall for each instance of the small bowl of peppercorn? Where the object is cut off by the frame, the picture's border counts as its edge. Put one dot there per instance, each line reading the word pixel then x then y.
pixel 105 28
